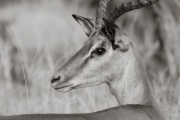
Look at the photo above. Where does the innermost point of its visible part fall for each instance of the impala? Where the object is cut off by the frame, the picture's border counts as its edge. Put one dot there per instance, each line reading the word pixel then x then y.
pixel 108 56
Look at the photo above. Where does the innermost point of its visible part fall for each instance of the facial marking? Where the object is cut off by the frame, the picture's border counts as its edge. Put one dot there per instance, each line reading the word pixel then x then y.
pixel 83 69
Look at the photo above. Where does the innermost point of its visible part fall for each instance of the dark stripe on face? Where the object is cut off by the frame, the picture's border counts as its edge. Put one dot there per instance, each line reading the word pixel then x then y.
pixel 93 34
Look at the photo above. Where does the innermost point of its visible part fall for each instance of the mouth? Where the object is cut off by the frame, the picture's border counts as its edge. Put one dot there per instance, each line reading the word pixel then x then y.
pixel 64 89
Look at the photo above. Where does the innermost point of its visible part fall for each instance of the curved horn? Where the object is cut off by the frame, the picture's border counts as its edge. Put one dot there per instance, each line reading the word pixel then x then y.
pixel 101 13
pixel 124 8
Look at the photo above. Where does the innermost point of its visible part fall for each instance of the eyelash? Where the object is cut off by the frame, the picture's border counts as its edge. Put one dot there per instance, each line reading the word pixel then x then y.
pixel 99 51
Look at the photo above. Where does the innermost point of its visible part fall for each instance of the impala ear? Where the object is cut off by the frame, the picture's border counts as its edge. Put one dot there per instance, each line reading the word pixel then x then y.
pixel 122 41
pixel 117 37
pixel 85 23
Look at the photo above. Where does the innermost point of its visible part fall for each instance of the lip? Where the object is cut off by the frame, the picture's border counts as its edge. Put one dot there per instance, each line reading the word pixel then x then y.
pixel 64 88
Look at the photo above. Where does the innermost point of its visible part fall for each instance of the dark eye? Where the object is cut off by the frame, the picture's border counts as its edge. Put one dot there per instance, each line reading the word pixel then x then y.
pixel 99 51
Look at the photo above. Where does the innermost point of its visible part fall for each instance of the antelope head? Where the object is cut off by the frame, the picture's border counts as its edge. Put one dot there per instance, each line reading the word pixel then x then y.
pixel 104 56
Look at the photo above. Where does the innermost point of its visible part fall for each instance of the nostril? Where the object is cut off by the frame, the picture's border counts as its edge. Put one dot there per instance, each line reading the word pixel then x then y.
pixel 55 79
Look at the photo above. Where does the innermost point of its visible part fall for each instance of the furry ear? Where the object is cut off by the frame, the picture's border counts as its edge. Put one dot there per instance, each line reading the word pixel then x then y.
pixel 85 23
pixel 123 42
pixel 116 36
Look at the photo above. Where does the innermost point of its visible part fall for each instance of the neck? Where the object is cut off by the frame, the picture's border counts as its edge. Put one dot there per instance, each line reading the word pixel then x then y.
pixel 133 86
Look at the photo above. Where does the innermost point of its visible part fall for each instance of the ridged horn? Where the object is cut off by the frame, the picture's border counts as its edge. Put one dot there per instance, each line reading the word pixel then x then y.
pixel 124 8
pixel 101 13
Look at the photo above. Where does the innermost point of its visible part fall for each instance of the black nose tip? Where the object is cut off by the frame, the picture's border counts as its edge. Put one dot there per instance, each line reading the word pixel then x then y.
pixel 55 79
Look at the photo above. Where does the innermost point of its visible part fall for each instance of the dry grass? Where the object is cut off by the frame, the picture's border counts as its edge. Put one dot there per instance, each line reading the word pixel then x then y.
pixel 47 36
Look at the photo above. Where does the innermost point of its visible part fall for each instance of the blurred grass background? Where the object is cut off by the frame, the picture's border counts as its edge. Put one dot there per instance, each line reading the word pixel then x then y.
pixel 46 36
